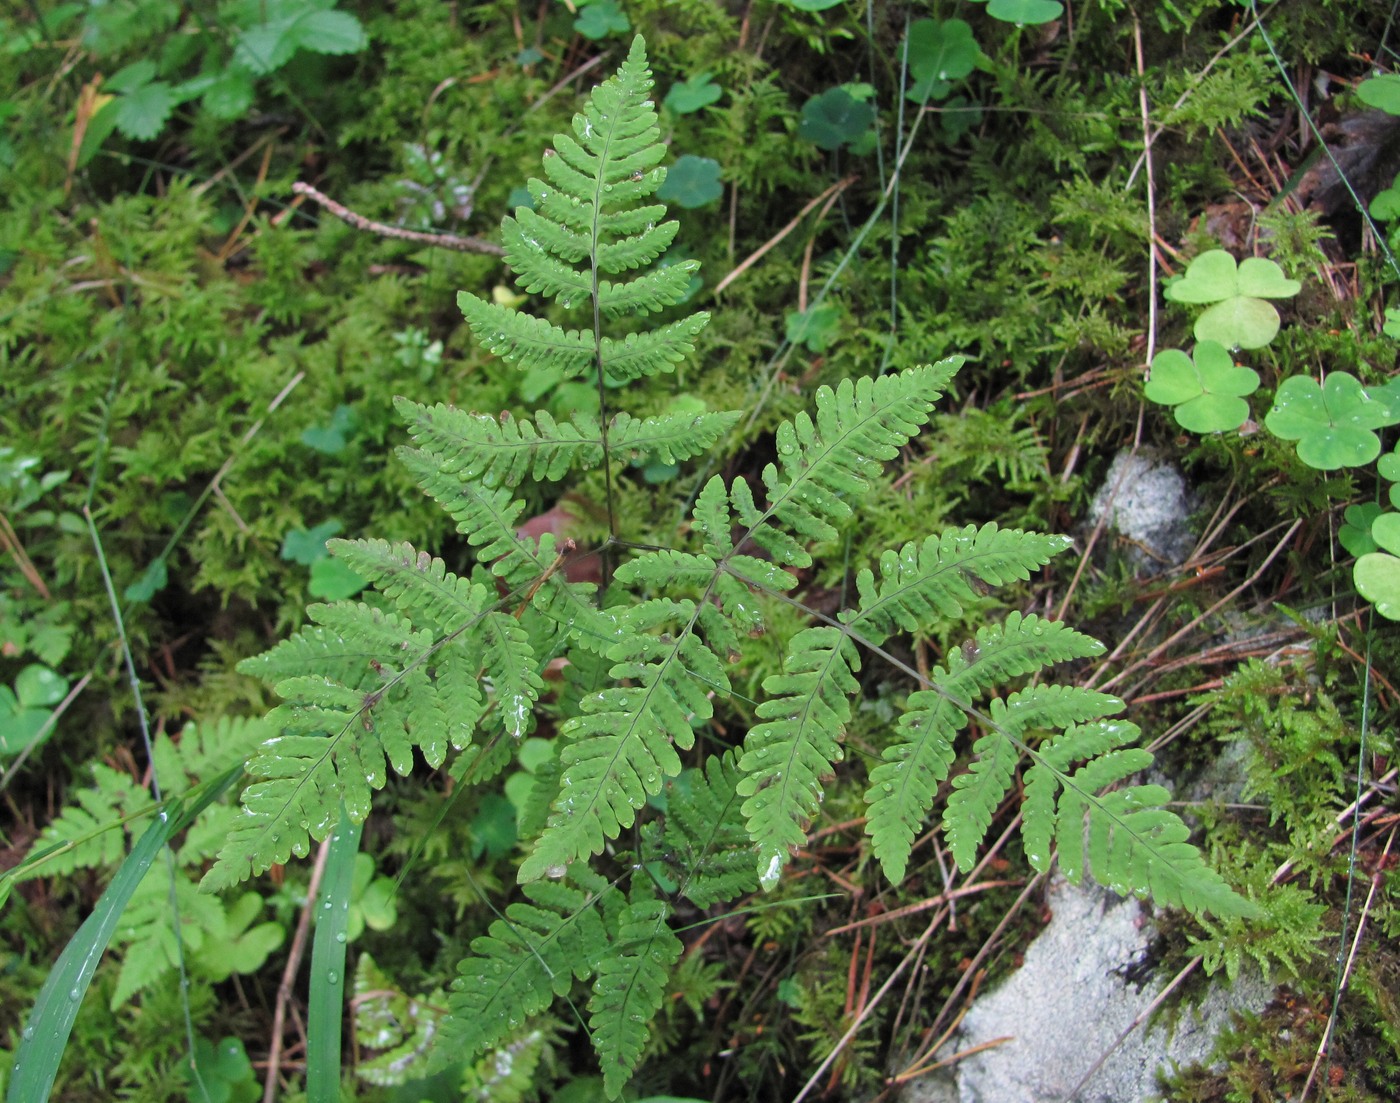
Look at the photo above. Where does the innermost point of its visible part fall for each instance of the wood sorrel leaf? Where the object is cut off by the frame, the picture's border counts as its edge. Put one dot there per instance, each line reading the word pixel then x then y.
pixel 1377 575
pixel 1355 533
pixel 1332 423
pixel 1207 391
pixel 1240 317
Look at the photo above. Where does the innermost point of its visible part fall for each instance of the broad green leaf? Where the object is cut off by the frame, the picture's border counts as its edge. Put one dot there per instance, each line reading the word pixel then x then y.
pixel 19 727
pixel 817 327
pixel 306 546
pixel 939 52
pixel 813 5
pixel 1025 12
pixel 131 77
pixel 1391 328
pixel 691 95
pixel 601 18
pixel 331 438
pixel 1207 391
pixel 1377 574
pixel 222 1073
pixel 1238 323
pixel 1214 277
pixel 267 47
pixel 1386 205
pixel 1332 423
pixel 141 114
pixel 332 580
pixel 38 686
pixel 834 119
pixel 691 182
pixel 1355 533
pixel 151 582
pixel 1382 92
pixel 329 32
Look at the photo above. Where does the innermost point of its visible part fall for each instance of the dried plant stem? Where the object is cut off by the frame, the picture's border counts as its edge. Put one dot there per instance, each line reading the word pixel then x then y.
pixel 360 222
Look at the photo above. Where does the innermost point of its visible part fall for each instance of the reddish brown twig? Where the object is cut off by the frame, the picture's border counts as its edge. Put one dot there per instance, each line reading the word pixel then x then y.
pixel 360 222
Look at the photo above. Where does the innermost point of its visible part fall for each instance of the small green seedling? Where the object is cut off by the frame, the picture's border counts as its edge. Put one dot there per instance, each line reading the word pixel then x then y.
pixel 26 709
pixel 223 1073
pixel 306 546
pixel 1377 574
pixel 1239 317
pixel 1355 533
pixel 331 438
pixel 1332 423
pixel 817 327
pixel 1207 392
pixel 152 581
pixel 1386 205
pixel 597 19
pixel 1391 328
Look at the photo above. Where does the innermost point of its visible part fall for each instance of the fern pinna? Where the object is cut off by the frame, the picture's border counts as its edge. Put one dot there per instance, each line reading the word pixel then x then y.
pixel 439 662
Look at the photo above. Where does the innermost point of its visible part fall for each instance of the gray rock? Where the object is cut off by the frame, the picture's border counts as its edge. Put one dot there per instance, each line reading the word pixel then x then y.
pixel 1068 1004
pixel 1147 502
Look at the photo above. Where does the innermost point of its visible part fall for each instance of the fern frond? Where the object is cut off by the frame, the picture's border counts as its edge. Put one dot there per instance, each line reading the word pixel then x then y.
pixel 525 960
pixel 706 837
pixel 88 833
pixel 652 352
pixel 205 750
pixel 823 463
pixel 152 944
pixel 392 1030
pixel 526 340
pixel 648 292
pixel 629 987
pixel 504 451
pixel 922 582
pixel 1132 844
pixel 671 438
pixel 420 584
pixel 976 794
pixel 904 784
pixel 714 518
pixel 786 756
pixel 513 669
pixel 621 747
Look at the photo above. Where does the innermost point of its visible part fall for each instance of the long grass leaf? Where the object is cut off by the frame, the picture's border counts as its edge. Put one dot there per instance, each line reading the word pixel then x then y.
pixel 45 1035
pixel 326 998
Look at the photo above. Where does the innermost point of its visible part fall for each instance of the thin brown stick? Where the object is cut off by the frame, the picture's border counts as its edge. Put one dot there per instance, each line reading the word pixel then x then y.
pixel 360 222
pixel 289 974
pixel 753 258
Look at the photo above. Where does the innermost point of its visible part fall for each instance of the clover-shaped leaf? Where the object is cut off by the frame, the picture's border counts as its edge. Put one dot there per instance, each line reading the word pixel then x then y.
pixel 332 580
pixel 1025 12
pixel 1386 204
pixel 939 52
pixel 691 95
pixel 599 18
pixel 1382 92
pixel 331 438
pixel 305 546
pixel 1207 392
pixel 817 327
pixel 834 118
pixel 1355 533
pixel 1240 317
pixel 691 182
pixel 1377 574
pixel 1332 423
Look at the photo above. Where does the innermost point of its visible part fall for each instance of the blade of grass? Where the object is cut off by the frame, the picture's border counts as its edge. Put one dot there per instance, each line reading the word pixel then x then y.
pixel 326 998
pixel 45 1035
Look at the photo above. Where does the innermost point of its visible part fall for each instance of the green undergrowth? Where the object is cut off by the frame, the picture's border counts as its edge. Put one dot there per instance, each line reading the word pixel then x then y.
pixel 208 363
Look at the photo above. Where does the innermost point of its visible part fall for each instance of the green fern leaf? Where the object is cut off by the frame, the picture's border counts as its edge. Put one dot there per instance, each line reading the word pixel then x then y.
pixel 786 756
pixel 504 451
pixel 420 585
pixel 904 784
pixel 87 834
pixel 152 945
pixel 621 747
pixel 629 988
pixel 922 583
pixel 527 959
pixel 714 518
pixel 512 667
pixel 671 438
pixel 705 835
pixel 530 342
pixel 823 463
pixel 652 352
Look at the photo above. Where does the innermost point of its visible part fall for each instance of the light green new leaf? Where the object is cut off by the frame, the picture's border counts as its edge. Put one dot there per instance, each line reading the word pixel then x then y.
pixel 1025 12
pixel 939 52
pixel 1240 317
pixel 1355 533
pixel 1207 391
pixel 691 95
pixel 692 182
pixel 1332 423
